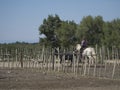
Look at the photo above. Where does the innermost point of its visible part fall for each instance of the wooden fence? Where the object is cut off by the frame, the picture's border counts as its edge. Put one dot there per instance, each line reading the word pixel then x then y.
pixel 107 62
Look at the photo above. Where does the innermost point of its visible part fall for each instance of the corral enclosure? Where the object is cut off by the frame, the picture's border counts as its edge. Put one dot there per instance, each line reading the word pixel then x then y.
pixel 107 63
pixel 40 69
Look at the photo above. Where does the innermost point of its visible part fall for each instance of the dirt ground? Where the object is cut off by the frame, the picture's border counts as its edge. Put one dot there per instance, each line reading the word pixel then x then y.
pixel 34 79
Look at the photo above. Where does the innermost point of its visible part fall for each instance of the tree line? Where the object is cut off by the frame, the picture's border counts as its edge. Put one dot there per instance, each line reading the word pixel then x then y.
pixel 19 45
pixel 58 32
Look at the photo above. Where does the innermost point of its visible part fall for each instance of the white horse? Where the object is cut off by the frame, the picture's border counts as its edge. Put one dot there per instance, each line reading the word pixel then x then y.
pixel 88 53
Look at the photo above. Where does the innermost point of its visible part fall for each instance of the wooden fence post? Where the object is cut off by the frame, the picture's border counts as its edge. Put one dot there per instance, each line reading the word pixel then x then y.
pixel 115 62
pixel 53 60
pixel 94 73
pixel 21 58
pixel 85 66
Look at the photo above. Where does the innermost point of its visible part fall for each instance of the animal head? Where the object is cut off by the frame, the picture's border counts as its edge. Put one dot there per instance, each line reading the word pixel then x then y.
pixel 78 47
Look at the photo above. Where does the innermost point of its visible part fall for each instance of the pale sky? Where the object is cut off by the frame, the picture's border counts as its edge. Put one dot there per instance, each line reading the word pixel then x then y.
pixel 20 19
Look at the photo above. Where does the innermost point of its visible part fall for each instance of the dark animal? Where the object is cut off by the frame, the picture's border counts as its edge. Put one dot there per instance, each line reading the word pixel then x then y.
pixel 64 56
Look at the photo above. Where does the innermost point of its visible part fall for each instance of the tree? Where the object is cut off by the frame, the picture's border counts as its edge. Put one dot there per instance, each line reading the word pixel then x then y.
pixel 48 28
pixel 66 33
pixel 112 33
pixel 92 29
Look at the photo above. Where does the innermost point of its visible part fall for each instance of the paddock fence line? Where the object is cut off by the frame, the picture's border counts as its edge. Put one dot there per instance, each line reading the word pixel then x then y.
pixel 106 65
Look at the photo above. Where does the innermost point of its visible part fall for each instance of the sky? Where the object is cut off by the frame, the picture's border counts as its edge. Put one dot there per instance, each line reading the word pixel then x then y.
pixel 20 19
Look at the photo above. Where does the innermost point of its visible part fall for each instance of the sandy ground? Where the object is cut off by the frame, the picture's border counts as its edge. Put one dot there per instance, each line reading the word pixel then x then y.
pixel 34 79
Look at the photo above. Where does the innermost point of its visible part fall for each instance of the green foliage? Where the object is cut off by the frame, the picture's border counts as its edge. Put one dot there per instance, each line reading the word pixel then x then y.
pixel 20 45
pixel 91 28
pixel 112 33
pixel 49 26
pixel 68 33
